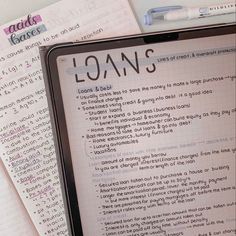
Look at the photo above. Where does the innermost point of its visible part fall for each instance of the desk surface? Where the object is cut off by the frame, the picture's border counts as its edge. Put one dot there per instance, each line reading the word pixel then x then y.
pixel 16 9
pixel 142 6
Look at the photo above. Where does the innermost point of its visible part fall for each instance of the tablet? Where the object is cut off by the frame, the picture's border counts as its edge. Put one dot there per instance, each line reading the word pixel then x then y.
pixel 144 130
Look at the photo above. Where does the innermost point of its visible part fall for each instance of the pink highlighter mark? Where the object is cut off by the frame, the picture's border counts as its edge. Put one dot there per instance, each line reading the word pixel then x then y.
pixel 30 21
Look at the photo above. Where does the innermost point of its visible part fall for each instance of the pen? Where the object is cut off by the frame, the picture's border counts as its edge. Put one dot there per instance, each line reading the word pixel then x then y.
pixel 188 13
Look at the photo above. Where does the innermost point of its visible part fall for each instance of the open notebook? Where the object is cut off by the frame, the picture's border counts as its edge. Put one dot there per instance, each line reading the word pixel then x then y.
pixel 30 195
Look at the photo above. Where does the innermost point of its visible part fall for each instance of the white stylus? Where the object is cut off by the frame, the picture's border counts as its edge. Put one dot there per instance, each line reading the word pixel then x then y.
pixel 199 12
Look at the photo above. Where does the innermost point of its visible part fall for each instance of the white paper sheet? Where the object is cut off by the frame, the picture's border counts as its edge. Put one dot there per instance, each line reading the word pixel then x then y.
pixel 26 145
pixel 14 219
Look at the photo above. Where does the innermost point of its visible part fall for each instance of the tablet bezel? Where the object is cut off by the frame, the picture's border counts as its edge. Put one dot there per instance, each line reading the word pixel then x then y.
pixel 56 103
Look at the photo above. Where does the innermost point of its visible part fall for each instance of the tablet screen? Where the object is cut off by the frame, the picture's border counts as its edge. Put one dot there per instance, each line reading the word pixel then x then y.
pixel 152 137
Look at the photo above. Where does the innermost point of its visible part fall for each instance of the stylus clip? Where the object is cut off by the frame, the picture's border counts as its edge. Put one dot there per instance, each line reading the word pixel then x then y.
pixel 159 12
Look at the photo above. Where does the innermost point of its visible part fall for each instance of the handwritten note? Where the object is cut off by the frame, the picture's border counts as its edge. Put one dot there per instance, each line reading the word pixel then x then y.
pixel 14 219
pixel 26 143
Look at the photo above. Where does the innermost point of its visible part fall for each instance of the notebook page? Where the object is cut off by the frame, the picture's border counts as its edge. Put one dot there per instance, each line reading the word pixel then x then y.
pixel 25 132
pixel 14 219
